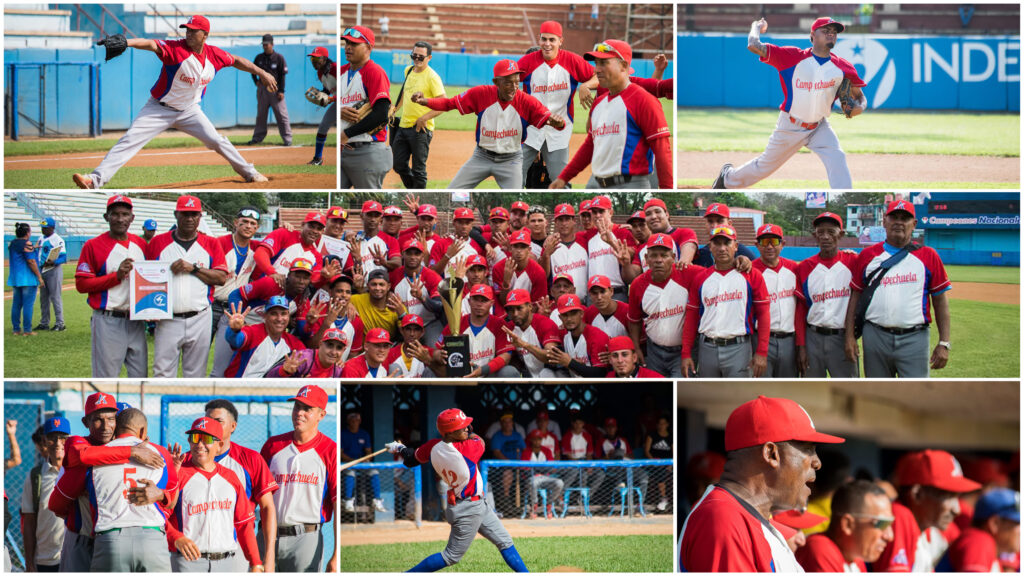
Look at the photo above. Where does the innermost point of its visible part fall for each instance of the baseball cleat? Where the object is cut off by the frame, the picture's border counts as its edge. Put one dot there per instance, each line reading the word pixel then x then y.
pixel 41 327
pixel 663 505
pixel 350 505
pixel 315 162
pixel 83 182
pixel 58 328
pixel 378 505
pixel 251 143
pixel 720 181
pixel 258 178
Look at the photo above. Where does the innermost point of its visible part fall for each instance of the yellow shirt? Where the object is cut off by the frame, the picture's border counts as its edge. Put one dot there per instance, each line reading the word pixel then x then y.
pixel 428 82
pixel 821 507
pixel 372 316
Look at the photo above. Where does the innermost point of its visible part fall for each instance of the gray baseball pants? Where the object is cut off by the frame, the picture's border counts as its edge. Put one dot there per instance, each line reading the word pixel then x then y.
pixel 827 353
pixel 75 553
pixel 330 119
pixel 555 160
pixel 184 338
pixel 118 342
pixel 507 170
pixel 636 183
pixel 222 351
pixel 50 294
pixel 365 166
pixel 133 549
pixel 730 361
pixel 553 485
pixel 467 518
pixel 781 357
pixel 154 119
pixel 890 355
pixel 302 553
pixel 265 101
pixel 180 564
pixel 665 360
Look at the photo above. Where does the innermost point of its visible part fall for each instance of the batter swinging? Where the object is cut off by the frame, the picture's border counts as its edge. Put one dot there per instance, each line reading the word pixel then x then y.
pixel 811 81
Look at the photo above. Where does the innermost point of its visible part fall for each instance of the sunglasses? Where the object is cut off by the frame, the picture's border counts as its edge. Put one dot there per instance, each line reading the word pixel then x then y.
pixel 723 230
pixel 879 522
pixel 353 33
pixel 418 57
pixel 197 438
pixel 606 48
pixel 769 241
pixel 249 213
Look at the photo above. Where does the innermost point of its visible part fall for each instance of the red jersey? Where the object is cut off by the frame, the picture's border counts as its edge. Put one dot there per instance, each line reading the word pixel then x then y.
pixel 280 248
pixel 96 274
pixel 661 306
pixel 821 554
pixel 401 284
pixel 532 279
pixel 638 372
pixel 974 551
pixel 214 512
pixel 358 368
pixel 366 85
pixel 720 306
pixel 902 299
pixel 578 446
pixel 486 342
pixel 614 324
pixel 899 555
pixel 190 293
pixel 681 236
pixel 587 348
pixel 307 476
pixel 457 465
pixel 500 125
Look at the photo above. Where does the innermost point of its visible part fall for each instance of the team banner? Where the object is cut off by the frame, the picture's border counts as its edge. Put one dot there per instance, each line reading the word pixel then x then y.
pixel 151 291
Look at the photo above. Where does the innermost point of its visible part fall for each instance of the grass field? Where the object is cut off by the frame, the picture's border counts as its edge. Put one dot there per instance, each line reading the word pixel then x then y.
pixel 777 183
pixel 702 129
pixel 989 274
pixel 59 146
pixel 588 553
pixel 147 176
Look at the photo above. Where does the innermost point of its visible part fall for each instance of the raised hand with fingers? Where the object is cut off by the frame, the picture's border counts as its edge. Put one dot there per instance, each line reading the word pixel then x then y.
pixel 177 456
pixel 417 290
pixel 316 312
pixel 396 305
pixel 514 338
pixel 291 362
pixel 236 316
pixel 412 202
pixel 380 257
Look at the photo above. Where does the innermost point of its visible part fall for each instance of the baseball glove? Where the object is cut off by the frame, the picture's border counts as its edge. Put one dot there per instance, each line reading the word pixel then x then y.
pixel 317 96
pixel 537 177
pixel 845 97
pixel 115 45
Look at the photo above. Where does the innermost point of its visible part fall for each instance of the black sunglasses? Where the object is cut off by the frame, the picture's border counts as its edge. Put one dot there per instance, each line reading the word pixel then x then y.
pixel 418 57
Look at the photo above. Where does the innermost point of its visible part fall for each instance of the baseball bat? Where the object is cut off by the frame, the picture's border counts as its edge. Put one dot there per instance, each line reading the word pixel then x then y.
pixel 348 465
pixel 518 500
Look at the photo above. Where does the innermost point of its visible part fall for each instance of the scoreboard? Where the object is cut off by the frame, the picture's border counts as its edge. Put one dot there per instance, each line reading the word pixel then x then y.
pixel 977 210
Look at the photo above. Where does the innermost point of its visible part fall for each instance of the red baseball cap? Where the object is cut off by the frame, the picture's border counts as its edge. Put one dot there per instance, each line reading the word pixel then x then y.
pixel 620 343
pixel 563 276
pixel 476 260
pixel 188 204
pixel 378 336
pixel 986 471
pixel 828 216
pixel 638 215
pixel 708 465
pixel 598 280
pixel 521 236
pixel 769 230
pixel 315 216
pixel 655 202
pixel 311 395
pixel 609 421
pixel 99 401
pixel 611 49
pixel 535 433
pixel 302 265
pixel 542 414
pixel 464 214
pixel 767 419
pixel 371 206
pixel 119 199
pixel 796 519
pixel 517 297
pixel 334 334
pixel 321 52
pixel 660 240
pixel 412 319
pixel 786 531
pixel 585 206
pixel 498 213
pixel 506 68
pixel 717 209
pixel 427 210
pixel 568 303
pixel 364 36
pixel 209 426
pixel 563 210
pixel 900 205
pixel 337 212
pixel 551 27
pixel 601 203
pixel 413 243
pixel 392 211
pixel 826 21
pixel 482 290
pixel 520 205
pixel 936 468
pixel 197 22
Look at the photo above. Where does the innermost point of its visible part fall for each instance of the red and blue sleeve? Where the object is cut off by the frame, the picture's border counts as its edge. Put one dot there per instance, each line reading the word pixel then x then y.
pixel 377 84
pixel 219 58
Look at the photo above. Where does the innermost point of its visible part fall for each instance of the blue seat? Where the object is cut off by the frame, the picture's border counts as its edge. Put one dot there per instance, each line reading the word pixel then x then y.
pixel 542 493
pixel 622 491
pixel 584 500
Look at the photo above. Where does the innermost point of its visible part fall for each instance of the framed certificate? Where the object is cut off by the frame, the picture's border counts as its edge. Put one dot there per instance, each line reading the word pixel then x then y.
pixel 151 291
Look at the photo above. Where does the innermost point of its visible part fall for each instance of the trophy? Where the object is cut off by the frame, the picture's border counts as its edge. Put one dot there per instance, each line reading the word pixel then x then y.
pixel 457 345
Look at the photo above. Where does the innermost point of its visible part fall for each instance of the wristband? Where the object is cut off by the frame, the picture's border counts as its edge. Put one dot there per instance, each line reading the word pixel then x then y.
pixel 497 364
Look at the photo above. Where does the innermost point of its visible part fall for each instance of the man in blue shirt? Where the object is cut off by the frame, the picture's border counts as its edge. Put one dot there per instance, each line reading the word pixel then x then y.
pixel 507 444
pixel 355 443
pixel 52 255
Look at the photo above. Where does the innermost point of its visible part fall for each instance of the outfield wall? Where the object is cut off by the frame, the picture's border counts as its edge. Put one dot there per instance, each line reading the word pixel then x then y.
pixel 975 73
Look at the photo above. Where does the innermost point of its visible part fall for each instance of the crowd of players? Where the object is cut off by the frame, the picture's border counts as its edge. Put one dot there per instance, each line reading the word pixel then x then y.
pixel 584 298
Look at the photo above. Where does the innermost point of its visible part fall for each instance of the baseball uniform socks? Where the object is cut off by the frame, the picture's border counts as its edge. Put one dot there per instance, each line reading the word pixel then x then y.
pixel 431 563
pixel 512 558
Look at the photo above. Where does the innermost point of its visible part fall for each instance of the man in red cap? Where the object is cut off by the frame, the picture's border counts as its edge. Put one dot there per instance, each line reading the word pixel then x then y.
pixel 638 227
pixel 811 80
pixel 788 317
pixel 657 306
pixel 618 161
pixel 374 249
pixel 324 361
pixel 533 335
pixel 717 215
pixel 409 358
pixel 824 281
pixel 553 76
pixel 327 73
pixel 392 221
pixel 929 483
pixel 891 283
pixel 726 306
pixel 102 275
pixel 494 236
pixel 304 463
pixel 197 265
pixel 605 313
pixel 417 286
pixel 501 110
pixel 583 347
pixel 457 247
pixel 561 285
pixel 333 244
pixel 520 270
pixel 610 247
pixel 540 480
pixel 189 65
pixel 565 251
pixel 370 364
pixel 489 348
pixel 239 249
pixel 426 220
pixel 656 219
pixel 259 346
pixel 770 459
pixel 365 103
pixel 276 252
pixel 518 210
pixel 859 530
pixel 624 361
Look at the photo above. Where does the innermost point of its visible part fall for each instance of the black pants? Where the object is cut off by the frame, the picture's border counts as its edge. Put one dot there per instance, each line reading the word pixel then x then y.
pixel 408 142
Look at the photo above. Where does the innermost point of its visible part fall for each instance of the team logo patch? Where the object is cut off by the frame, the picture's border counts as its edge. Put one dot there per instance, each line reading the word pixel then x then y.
pixel 202 425
pixel 190 203
pixel 84 267
pixel 304 393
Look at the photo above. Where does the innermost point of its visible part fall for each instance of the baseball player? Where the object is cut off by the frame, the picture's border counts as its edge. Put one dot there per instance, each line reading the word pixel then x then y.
pixel 275 253
pixel 624 361
pixel 189 65
pixel 426 220
pixel 626 131
pixel 994 531
pixel 553 75
pixel 637 222
pixel 455 457
pixel 327 73
pixel 375 250
pixel 356 443
pixel 533 335
pixel 811 82
pixel 239 249
pixel 657 305
pixel 259 346
pixel 896 277
pixel 537 452
pixel 489 348
pixel 370 364
pixel 457 247
pixel 583 346
pixel 213 516
pixel 365 156
pixel 149 229
pixel 42 531
pixel 519 270
pixel 409 358
pixel 788 318
pixel 391 223
pixel 197 264
pixel 824 281
pixel 560 286
pixel 350 325
pixel 728 530
pixel 102 273
pixel 339 248
pixel 565 252
pixel 609 246
pixel 858 531
pixel 720 304
pixel 717 215
pixel 502 111
pixel 417 286
pixel 324 361
pixel 656 218
pixel 304 463
pixel 52 256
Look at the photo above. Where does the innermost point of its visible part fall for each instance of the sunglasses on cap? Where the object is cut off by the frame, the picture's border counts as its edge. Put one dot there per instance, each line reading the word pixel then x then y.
pixel 417 57
pixel 723 230
pixel 249 213
pixel 879 522
pixel 353 33
pixel 769 241
pixel 197 438
pixel 606 48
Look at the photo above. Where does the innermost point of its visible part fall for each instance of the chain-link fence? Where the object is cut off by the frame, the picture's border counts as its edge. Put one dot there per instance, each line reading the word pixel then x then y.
pixel 29 414
pixel 398 491
pixel 559 489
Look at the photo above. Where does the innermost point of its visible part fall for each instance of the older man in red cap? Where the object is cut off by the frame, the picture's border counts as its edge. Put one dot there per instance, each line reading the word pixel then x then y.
pixel 715 216
pixel 365 103
pixel 770 459
pixel 891 285
pixel 788 317
pixel 189 66
pixel 553 75
pixel 618 161
pixel 275 253
pixel 501 110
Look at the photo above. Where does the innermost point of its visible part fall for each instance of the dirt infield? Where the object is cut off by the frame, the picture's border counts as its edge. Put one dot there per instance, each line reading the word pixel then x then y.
pixel 405 531
pixel 986 292
pixel 864 167
pixel 450 149
pixel 274 181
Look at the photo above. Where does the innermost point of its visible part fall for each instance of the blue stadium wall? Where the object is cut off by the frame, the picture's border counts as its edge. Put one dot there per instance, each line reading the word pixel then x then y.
pixel 125 82
pixel 978 73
